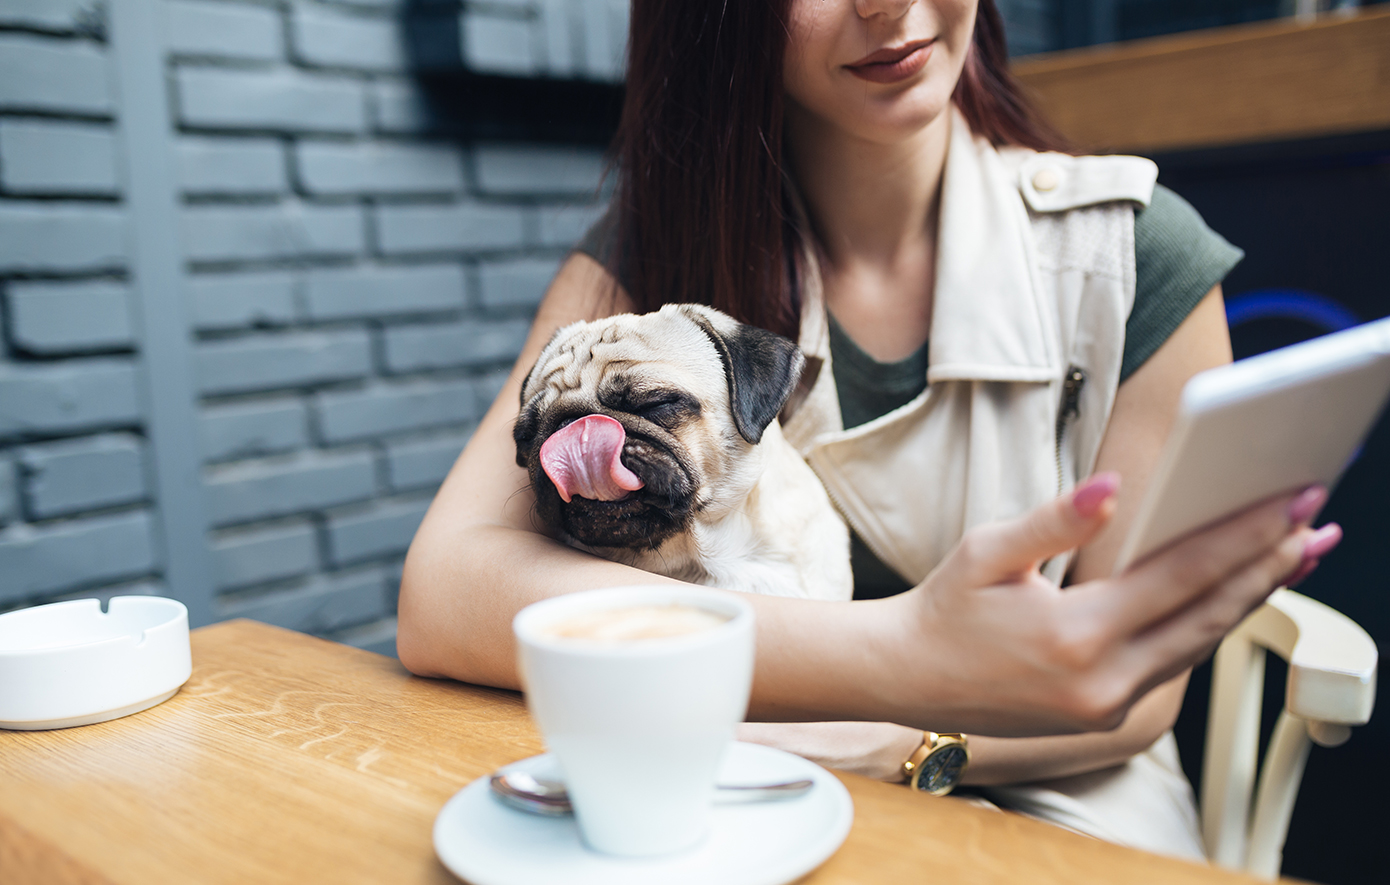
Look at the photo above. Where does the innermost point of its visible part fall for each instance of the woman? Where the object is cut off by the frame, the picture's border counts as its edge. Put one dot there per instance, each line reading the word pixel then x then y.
pixel 794 161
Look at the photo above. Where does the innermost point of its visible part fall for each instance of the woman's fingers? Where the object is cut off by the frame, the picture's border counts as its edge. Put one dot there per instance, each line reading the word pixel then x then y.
pixel 1163 616
pixel 1174 578
pixel 999 551
pixel 1320 543
pixel 1190 635
pixel 1120 668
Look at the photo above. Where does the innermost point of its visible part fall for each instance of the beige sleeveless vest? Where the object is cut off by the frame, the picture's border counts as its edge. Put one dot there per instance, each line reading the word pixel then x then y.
pixel 1035 279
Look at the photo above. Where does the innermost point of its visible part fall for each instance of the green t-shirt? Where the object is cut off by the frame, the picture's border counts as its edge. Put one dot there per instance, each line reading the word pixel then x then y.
pixel 1177 261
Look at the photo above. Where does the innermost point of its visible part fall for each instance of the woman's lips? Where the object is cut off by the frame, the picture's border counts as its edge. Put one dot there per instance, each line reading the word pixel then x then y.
pixel 892 65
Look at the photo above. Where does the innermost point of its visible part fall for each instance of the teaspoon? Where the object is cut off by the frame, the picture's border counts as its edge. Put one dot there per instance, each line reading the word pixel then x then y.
pixel 540 796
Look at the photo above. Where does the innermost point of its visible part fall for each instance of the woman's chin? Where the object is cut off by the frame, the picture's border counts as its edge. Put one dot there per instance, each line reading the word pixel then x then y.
pixel 879 116
pixel 894 121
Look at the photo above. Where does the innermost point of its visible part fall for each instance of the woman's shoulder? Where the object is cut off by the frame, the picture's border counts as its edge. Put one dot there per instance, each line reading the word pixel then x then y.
pixel 1169 225
pixel 1052 182
pixel 1178 259
pixel 1175 249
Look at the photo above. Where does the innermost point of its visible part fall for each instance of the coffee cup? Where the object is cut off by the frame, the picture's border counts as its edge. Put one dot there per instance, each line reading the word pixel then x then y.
pixel 637 691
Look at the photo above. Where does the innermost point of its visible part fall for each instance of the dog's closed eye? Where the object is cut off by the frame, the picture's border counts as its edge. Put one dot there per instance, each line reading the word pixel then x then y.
pixel 669 411
pixel 665 408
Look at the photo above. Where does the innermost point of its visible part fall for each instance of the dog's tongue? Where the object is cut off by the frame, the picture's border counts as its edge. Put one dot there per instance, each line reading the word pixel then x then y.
pixel 585 459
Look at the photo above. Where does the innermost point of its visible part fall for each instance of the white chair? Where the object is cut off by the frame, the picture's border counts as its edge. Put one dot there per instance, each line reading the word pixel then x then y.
pixel 1331 687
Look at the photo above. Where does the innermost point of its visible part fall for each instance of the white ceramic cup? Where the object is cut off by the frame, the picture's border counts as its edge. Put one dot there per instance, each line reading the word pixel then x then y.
pixel 638 726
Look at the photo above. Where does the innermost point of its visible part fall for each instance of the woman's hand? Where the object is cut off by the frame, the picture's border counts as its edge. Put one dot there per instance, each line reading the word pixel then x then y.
pixel 1017 647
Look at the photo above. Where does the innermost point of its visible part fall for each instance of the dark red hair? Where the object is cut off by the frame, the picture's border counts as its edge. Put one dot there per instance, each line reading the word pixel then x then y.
pixel 701 210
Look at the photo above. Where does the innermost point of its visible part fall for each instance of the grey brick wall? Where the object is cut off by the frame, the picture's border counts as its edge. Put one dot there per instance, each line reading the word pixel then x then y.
pixel 86 473
pixel 57 157
pixel 55 317
pixel 356 289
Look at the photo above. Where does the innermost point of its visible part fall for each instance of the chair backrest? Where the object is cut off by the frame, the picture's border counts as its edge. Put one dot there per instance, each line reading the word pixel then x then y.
pixel 1331 687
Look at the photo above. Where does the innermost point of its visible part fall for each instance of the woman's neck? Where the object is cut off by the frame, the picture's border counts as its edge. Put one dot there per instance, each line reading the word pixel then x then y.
pixel 868 201
pixel 874 208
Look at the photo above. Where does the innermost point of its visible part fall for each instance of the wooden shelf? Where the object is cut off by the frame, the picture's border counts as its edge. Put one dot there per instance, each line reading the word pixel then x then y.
pixel 1267 82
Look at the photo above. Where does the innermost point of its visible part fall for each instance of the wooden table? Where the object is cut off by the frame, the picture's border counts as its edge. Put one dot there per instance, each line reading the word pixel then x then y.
pixel 290 759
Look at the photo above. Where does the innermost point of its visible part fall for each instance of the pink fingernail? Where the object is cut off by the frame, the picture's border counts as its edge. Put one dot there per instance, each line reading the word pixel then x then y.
pixel 1091 494
pixel 1322 542
pixel 1303 571
pixel 1306 505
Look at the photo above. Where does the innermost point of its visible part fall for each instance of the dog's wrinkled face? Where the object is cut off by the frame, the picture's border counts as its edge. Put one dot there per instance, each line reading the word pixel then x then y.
pixel 630 425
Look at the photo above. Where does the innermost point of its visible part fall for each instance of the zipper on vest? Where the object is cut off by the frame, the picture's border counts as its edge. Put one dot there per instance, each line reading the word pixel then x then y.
pixel 1072 383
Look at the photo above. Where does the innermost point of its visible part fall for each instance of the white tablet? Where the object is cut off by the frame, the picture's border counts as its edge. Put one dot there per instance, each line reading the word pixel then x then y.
pixel 1272 423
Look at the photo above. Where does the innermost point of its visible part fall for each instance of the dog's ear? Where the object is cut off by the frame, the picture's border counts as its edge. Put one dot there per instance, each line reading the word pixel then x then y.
pixel 762 368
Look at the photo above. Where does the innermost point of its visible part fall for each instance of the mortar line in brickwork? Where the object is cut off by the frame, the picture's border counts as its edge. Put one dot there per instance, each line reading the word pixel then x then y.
pixel 146 136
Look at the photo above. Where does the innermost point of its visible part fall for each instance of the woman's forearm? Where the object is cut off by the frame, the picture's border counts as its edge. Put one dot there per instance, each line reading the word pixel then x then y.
pixel 996 760
pixel 461 589
pixel 462 586
pixel 878 749
pixel 459 595
pixel 465 579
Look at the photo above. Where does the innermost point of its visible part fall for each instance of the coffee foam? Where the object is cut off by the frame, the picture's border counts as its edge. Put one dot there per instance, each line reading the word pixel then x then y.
pixel 636 622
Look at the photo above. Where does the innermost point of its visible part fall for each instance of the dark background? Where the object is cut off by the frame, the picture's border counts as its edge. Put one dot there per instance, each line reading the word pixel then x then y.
pixel 1088 22
pixel 1314 217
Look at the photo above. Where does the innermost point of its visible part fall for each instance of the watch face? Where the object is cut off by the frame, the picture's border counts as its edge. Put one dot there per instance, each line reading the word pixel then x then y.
pixel 942 769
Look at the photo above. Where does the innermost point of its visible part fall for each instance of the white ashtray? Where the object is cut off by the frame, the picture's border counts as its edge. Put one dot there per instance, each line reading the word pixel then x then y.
pixel 70 663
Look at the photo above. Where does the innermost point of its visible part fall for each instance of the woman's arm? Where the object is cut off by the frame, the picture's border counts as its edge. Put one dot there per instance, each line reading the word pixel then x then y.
pixel 984 645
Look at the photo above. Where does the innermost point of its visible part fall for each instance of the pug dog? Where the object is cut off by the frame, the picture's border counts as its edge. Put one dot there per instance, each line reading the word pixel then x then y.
pixel 653 441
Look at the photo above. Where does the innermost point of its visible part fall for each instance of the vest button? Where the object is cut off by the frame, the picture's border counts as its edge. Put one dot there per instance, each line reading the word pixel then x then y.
pixel 1046 179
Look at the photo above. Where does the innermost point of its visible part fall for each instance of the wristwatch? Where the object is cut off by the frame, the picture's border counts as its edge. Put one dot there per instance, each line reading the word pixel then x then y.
pixel 936 767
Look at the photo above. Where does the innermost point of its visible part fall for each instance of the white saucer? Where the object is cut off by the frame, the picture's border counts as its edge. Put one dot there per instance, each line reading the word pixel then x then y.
pixel 485 842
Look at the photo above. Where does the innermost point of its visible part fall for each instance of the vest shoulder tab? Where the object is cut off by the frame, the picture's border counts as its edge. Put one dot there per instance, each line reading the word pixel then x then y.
pixel 1051 182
